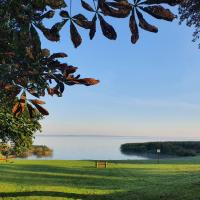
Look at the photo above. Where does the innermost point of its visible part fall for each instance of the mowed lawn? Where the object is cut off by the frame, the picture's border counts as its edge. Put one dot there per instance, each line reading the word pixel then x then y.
pixel 128 180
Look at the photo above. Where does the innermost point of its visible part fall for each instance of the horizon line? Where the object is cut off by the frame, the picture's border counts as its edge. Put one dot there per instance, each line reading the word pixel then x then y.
pixel 99 135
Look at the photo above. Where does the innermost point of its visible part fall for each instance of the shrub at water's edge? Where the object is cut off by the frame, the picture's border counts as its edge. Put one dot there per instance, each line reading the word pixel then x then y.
pixel 36 150
pixel 167 148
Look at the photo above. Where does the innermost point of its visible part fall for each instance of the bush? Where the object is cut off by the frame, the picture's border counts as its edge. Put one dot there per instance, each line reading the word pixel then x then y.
pixel 167 148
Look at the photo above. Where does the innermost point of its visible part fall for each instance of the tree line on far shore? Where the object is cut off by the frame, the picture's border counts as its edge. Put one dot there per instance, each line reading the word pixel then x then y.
pixel 186 148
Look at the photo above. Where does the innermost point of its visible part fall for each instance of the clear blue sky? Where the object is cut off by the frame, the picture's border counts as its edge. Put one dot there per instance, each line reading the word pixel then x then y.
pixel 149 89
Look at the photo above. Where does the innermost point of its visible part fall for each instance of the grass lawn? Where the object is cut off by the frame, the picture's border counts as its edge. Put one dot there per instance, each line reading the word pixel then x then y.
pixel 122 180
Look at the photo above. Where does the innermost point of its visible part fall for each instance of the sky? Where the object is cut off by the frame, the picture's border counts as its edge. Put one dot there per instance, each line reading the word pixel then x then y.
pixel 148 89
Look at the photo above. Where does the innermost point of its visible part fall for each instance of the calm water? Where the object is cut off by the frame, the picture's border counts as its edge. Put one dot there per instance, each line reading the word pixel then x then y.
pixel 90 147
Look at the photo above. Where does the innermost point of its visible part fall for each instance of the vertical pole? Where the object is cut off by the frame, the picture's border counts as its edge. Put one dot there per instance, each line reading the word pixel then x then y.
pixel 158 160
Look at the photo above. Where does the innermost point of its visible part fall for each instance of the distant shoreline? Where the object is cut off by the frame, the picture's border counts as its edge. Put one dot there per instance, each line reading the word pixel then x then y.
pixel 156 138
pixel 167 148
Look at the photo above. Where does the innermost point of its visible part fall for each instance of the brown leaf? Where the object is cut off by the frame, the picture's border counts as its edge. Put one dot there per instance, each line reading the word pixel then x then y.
pixel 33 92
pixel 22 101
pixel 45 53
pixel 16 107
pixel 159 12
pixel 107 29
pixel 144 24
pixel 121 12
pixel 56 4
pixel 9 87
pixel 48 14
pixel 88 81
pixel 42 110
pixel 56 28
pixel 50 91
pixel 57 55
pixel 134 29
pixel 64 14
pixel 86 6
pixel 14 92
pixel 50 35
pixel 10 54
pixel 37 101
pixel 75 36
pixel 170 2
pixel 69 70
pixel 62 87
pixel 82 21
pixel 31 111
pixel 53 33
pixel 123 4
pixel 93 27
pixel 29 53
pixel 23 98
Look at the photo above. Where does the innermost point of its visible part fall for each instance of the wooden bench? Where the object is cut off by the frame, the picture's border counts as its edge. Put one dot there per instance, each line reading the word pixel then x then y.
pixel 101 164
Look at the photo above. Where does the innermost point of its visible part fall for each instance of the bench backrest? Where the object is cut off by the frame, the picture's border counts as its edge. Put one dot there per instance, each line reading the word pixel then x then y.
pixel 101 164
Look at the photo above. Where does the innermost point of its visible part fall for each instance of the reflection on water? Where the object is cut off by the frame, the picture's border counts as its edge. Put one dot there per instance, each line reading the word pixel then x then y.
pixel 89 147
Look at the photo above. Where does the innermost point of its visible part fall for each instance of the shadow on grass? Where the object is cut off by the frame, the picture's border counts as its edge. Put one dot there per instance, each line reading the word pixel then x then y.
pixel 39 175
pixel 113 196
pixel 133 181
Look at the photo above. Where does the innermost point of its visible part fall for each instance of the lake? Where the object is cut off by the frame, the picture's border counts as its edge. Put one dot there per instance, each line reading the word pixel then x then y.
pixel 78 147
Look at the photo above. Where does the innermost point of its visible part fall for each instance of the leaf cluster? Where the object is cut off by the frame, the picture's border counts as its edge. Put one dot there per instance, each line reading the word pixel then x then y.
pixel 25 67
pixel 189 12
pixel 17 130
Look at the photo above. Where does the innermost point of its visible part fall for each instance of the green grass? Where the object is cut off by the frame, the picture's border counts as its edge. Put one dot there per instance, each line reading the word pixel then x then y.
pixel 122 180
